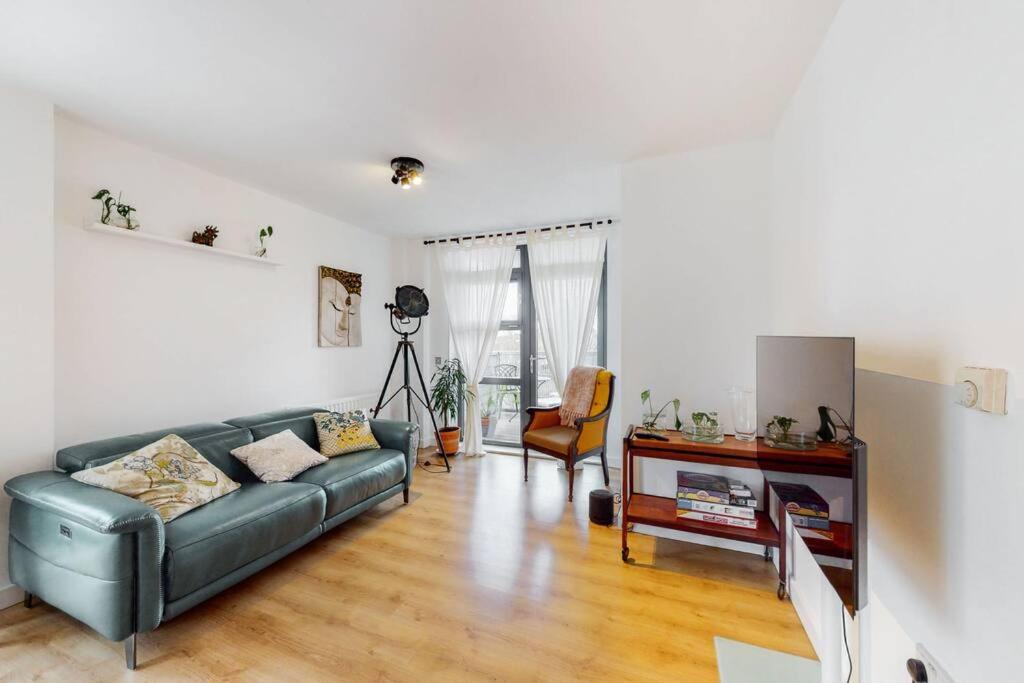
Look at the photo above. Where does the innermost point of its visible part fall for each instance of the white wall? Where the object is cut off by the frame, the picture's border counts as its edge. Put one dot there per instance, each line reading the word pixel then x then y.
pixel 693 287
pixel 148 336
pixel 26 302
pixel 896 174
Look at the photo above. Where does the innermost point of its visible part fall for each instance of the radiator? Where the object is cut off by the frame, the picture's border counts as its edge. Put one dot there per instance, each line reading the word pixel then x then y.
pixel 364 402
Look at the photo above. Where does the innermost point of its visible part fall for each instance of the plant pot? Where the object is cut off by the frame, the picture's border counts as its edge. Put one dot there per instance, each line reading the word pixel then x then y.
pixel 450 439
pixel 486 425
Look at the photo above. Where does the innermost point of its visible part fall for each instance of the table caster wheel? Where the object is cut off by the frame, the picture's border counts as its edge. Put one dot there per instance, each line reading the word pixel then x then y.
pixel 625 554
pixel 782 591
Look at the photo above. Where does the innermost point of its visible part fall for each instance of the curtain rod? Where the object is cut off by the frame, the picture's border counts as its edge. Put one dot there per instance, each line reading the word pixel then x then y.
pixel 584 224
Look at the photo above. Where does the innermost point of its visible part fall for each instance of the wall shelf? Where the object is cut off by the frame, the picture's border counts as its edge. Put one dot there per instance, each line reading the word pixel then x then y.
pixel 179 243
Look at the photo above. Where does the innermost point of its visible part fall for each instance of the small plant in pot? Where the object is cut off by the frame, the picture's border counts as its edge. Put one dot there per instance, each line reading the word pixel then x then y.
pixel 446 395
pixel 265 234
pixel 110 204
pixel 487 415
pixel 704 428
pixel 779 433
pixel 652 420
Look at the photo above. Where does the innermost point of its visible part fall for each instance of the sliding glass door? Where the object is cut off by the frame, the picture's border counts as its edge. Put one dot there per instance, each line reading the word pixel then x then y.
pixel 517 374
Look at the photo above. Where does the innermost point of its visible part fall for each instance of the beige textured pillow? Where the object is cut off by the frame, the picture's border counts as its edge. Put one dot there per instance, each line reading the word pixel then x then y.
pixel 342 433
pixel 279 457
pixel 168 475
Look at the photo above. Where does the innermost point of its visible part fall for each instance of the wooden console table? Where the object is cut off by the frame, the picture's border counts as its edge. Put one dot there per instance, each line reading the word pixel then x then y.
pixel 640 508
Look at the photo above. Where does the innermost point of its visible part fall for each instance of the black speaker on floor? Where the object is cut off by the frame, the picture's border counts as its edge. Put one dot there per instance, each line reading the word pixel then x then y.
pixel 602 507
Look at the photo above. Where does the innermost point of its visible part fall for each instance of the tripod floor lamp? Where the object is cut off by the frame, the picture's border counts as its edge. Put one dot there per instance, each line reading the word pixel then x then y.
pixel 410 304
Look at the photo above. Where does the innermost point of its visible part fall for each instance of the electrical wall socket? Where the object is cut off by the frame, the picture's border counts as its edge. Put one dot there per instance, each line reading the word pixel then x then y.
pixel 936 674
pixel 982 389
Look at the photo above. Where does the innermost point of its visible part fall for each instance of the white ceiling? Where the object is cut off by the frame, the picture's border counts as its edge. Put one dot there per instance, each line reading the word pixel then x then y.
pixel 522 110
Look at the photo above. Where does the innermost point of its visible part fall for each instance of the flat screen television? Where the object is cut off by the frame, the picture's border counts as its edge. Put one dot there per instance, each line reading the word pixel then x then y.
pixel 801 380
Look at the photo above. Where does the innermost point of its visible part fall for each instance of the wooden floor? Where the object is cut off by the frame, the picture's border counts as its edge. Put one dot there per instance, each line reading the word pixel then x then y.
pixel 480 577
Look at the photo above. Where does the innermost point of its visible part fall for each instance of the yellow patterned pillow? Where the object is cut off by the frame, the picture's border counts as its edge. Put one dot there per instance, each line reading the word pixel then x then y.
pixel 342 433
pixel 168 475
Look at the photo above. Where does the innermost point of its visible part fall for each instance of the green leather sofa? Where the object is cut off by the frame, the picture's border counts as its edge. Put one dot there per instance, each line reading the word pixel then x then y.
pixel 110 561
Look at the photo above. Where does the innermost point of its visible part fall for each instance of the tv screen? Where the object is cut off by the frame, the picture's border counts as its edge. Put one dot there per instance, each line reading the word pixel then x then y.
pixel 805 408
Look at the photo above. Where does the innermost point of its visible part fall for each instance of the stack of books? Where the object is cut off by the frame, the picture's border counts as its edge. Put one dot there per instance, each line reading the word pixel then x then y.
pixel 807 509
pixel 715 499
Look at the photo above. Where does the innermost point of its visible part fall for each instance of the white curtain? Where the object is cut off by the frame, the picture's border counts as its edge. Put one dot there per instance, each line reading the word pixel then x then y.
pixel 476 275
pixel 565 269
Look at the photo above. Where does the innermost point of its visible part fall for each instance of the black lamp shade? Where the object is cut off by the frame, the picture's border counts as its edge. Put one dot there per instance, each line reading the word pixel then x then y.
pixel 412 301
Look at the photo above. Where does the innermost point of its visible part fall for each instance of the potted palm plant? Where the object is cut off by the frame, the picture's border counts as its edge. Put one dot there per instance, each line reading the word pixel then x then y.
pixel 447 393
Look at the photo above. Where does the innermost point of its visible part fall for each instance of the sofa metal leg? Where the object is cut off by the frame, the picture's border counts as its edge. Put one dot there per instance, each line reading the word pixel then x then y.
pixel 129 652
pixel 405 495
pixel 526 465
pixel 28 600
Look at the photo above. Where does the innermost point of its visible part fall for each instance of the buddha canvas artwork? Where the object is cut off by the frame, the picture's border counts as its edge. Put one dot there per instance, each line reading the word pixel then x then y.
pixel 341 295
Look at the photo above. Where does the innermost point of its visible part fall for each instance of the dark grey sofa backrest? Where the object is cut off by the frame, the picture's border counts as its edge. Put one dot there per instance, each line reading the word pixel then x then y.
pixel 74 458
pixel 214 440
pixel 299 420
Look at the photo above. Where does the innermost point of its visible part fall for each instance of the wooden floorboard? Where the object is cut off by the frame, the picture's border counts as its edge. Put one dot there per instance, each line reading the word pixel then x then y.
pixel 480 577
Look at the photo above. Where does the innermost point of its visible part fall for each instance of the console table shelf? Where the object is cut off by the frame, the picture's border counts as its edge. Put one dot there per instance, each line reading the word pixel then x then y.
pixel 661 511
pixel 639 508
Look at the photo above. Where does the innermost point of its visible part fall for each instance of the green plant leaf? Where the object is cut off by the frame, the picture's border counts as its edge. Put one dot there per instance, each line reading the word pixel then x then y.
pixel 645 395
pixel 101 194
pixel 270 230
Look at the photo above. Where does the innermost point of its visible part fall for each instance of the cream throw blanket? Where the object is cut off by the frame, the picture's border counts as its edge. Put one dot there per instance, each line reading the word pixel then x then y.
pixel 579 394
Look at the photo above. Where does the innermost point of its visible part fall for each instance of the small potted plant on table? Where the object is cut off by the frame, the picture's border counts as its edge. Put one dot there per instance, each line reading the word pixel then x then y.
pixel 704 428
pixel 652 420
pixel 779 433
pixel 446 395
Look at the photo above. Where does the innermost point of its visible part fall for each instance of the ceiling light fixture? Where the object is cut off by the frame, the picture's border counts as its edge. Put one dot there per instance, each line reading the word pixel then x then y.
pixel 408 172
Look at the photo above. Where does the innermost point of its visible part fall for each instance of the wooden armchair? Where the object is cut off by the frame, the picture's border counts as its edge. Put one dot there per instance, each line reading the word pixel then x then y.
pixel 545 433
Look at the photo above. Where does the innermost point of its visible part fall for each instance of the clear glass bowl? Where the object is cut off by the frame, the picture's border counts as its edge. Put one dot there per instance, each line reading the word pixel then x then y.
pixel 702 434
pixel 791 441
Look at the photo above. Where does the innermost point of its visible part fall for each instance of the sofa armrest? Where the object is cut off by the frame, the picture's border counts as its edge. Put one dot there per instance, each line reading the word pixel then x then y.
pixel 92 553
pixel 97 508
pixel 401 436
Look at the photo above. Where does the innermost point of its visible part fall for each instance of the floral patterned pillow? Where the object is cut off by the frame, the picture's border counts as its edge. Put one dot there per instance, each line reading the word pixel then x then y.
pixel 168 475
pixel 342 433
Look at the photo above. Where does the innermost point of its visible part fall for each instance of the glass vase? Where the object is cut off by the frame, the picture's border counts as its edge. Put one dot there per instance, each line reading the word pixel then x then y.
pixel 744 413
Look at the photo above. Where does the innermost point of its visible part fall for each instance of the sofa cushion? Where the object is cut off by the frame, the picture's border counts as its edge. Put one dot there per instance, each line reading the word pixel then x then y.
pixel 168 475
pixel 342 433
pixel 351 479
pixel 217 449
pixel 279 457
pixel 74 458
pixel 232 531
pixel 557 439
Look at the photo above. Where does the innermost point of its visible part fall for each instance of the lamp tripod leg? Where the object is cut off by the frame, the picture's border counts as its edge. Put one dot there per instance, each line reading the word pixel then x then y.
pixel 387 382
pixel 430 411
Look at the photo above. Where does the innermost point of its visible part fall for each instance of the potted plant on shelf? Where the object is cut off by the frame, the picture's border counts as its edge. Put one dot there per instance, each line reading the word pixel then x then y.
pixel 265 233
pixel 652 420
pixel 704 428
pixel 779 433
pixel 446 395
pixel 109 203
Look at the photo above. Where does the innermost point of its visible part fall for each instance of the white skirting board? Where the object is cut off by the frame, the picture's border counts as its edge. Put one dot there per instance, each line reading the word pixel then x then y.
pixel 10 595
